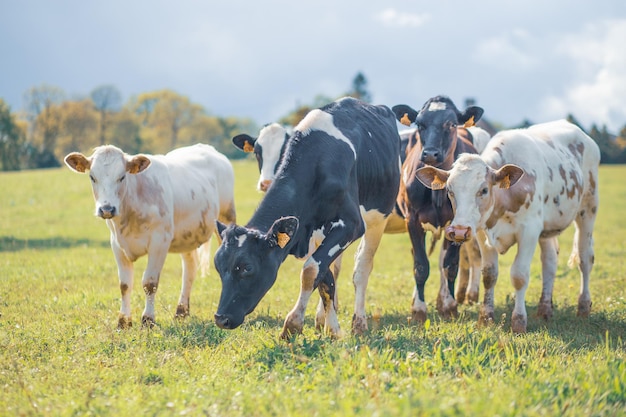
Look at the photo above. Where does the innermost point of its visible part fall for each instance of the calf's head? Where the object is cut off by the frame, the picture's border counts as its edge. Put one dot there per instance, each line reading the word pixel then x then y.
pixel 470 185
pixel 248 262
pixel 108 168
pixel 437 123
pixel 268 149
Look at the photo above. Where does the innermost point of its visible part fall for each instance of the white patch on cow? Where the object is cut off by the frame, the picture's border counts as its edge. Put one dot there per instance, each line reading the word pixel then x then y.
pixel 437 106
pixel 271 139
pixel 338 223
pixel 322 121
pixel 436 231
pixel 338 248
pixel 241 240
pixel 317 237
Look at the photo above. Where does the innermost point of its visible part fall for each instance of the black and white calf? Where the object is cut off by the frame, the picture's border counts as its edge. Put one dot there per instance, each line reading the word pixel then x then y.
pixel 339 178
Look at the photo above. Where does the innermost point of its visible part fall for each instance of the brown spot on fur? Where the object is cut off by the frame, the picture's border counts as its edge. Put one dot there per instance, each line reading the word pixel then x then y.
pixel 550 174
pixel 123 288
pixel 594 210
pixel 489 276
pixel 577 187
pixel 556 200
pixel 513 199
pixel 150 288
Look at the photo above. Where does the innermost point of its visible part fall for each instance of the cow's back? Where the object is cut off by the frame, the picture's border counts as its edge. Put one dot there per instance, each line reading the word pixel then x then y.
pixel 560 163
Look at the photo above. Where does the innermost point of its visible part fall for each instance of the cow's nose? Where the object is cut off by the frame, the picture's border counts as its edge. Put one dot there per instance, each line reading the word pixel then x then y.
pixel 458 234
pixel 106 211
pixel 430 156
pixel 265 185
pixel 222 321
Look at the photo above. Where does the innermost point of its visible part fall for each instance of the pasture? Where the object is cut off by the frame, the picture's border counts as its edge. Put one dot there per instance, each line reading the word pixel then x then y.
pixel 61 354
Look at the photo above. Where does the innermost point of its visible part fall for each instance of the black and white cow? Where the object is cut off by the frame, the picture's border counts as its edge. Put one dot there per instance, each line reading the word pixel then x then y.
pixel 437 143
pixel 339 178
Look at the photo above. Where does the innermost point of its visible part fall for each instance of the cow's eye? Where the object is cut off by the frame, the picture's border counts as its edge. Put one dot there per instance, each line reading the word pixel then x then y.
pixel 243 269
pixel 122 178
pixel 483 192
pixel 92 179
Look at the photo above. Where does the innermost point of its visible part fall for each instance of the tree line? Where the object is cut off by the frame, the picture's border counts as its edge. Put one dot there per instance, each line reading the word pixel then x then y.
pixel 50 125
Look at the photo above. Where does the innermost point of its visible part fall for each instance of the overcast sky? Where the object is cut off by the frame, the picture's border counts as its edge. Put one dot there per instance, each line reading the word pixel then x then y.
pixel 528 59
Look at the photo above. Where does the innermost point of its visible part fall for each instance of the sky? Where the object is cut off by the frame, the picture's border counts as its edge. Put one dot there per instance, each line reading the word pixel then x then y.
pixel 536 60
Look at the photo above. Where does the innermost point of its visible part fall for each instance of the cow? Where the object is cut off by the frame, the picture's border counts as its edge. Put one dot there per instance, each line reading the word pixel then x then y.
pixel 338 179
pixel 525 188
pixel 437 143
pixel 155 204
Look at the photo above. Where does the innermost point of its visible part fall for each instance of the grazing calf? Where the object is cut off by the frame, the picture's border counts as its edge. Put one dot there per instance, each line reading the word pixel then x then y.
pixel 527 186
pixel 155 204
pixel 338 179
pixel 437 143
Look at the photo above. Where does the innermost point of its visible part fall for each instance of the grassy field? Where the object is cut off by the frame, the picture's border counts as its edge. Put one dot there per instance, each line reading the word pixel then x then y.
pixel 61 354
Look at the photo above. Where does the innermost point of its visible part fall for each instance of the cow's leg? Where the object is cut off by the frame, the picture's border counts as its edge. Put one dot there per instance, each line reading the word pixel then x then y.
pixel 473 253
pixel 125 275
pixel 421 269
pixel 449 267
pixel 489 258
pixel 464 274
pixel 549 260
pixel 520 276
pixel 190 266
pixel 295 318
pixel 150 280
pixel 363 265
pixel 583 253
pixel 335 268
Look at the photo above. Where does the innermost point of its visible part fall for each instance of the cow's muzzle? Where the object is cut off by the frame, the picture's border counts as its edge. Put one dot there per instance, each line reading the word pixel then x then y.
pixel 265 185
pixel 107 211
pixel 225 321
pixel 458 234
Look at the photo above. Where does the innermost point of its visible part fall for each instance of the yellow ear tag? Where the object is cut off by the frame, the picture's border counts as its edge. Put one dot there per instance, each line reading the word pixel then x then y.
pixel 506 182
pixel 247 147
pixel 437 184
pixel 470 122
pixel 283 239
pixel 405 120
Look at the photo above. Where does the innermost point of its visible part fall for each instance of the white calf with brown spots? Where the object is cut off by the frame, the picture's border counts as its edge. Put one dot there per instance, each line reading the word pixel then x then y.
pixel 526 187
pixel 155 204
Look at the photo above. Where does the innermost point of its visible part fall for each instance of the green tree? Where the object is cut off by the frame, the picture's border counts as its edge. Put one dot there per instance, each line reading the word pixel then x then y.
pixel 359 88
pixel 11 139
pixel 609 151
pixel 42 113
pixel 79 121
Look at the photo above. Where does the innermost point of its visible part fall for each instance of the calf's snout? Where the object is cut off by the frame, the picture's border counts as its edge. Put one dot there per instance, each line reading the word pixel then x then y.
pixel 107 211
pixel 458 234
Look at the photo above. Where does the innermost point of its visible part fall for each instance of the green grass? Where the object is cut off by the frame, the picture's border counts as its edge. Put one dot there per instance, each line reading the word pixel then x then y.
pixel 61 354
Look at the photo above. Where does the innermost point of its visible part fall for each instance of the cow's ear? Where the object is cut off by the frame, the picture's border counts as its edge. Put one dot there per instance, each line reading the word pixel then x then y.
pixel 508 175
pixel 470 116
pixel 405 114
pixel 137 164
pixel 282 231
pixel 221 227
pixel 433 178
pixel 244 142
pixel 77 162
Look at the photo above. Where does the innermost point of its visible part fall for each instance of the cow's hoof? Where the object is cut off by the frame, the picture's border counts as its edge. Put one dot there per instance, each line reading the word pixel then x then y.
pixel 418 317
pixel 447 308
pixel 472 298
pixel 182 311
pixel 290 331
pixel 518 324
pixel 460 296
pixel 359 325
pixel 124 322
pixel 584 308
pixel 486 318
pixel 148 322
pixel 544 310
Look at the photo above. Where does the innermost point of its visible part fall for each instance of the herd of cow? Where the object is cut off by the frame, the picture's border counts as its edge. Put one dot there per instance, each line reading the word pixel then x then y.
pixel 345 172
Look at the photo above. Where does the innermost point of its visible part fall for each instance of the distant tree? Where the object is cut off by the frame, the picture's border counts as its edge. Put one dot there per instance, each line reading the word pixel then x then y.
pixel 125 132
pixel 609 151
pixel 41 105
pixel 570 118
pixel 164 114
pixel 79 127
pixel 106 99
pixel 359 88
pixel 11 139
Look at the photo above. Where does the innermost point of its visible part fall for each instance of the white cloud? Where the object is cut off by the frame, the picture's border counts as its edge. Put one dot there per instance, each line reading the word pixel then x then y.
pixel 392 17
pixel 509 51
pixel 598 91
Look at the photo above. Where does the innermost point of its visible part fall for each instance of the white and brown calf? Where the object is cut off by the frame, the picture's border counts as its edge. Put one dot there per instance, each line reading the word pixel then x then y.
pixel 526 187
pixel 155 204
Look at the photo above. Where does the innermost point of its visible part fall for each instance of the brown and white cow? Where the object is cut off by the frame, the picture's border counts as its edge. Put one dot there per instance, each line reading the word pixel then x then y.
pixel 439 143
pixel 155 204
pixel 527 186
